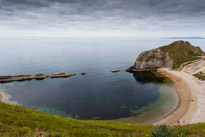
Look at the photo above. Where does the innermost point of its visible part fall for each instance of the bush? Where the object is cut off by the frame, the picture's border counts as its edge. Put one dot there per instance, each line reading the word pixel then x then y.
pixel 162 131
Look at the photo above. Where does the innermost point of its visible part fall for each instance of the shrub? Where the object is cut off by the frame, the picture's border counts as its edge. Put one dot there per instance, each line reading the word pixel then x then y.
pixel 162 131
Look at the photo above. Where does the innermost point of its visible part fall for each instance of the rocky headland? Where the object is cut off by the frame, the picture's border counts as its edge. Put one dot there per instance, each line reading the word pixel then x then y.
pixel 170 56
pixel 184 64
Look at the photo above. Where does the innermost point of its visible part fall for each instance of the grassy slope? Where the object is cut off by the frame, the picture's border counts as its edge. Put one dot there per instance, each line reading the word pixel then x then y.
pixel 181 51
pixel 19 121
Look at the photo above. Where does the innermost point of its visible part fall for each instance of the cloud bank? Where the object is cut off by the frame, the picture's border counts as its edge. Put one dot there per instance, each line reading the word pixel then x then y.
pixel 120 16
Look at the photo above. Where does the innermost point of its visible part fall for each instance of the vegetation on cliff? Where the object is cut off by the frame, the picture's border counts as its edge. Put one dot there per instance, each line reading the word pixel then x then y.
pixel 170 56
pixel 17 121
pixel 181 52
pixel 200 75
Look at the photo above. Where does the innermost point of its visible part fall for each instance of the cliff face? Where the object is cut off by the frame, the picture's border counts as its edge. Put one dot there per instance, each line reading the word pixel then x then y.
pixel 155 58
pixel 170 56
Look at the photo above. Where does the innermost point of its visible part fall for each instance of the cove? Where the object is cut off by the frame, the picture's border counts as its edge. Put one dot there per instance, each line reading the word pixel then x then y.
pixel 127 97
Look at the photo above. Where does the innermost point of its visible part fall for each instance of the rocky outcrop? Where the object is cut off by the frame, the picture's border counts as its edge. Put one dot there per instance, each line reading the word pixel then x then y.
pixel 7 79
pixel 152 59
pixel 170 56
pixel 62 75
pixel 115 70
pixel 40 76
pixel 155 58
pixel 83 73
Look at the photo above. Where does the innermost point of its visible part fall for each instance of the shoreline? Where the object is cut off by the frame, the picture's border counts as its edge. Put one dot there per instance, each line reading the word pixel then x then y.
pixel 5 98
pixel 188 101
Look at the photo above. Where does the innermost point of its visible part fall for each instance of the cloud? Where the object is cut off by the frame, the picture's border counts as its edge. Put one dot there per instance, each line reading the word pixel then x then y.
pixel 102 15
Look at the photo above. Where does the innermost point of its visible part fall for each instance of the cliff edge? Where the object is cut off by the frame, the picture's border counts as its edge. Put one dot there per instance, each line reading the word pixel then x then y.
pixel 169 56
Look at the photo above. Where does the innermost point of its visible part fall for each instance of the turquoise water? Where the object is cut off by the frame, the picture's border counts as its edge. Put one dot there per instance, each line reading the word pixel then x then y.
pixel 99 94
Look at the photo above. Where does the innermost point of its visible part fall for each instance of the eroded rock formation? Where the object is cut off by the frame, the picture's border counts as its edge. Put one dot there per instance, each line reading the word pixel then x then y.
pixel 170 56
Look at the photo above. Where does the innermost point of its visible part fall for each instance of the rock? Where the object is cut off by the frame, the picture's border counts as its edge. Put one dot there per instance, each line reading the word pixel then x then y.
pixel 0 97
pixel 6 79
pixel 170 56
pixel 83 73
pixel 133 69
pixel 40 76
pixel 153 59
pixel 115 70
pixel 62 75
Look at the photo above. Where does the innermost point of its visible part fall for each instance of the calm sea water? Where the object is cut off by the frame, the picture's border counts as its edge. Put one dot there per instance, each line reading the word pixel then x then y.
pixel 100 94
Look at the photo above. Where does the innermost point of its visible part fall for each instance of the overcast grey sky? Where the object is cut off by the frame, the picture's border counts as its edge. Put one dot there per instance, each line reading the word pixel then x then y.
pixel 103 17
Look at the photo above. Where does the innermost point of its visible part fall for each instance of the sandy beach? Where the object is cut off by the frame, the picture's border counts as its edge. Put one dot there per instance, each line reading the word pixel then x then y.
pixel 191 93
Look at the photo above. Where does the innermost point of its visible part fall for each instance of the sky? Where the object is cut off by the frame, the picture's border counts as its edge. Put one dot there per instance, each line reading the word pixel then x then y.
pixel 153 18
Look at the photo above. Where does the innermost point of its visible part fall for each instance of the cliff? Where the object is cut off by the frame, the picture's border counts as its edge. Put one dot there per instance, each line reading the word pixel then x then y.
pixel 195 68
pixel 170 56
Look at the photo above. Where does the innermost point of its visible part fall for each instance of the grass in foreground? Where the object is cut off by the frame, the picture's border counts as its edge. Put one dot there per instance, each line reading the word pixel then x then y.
pixel 17 121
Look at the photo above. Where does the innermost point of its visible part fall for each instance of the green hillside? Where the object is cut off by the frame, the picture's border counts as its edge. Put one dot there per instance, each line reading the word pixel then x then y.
pixel 182 51
pixel 17 121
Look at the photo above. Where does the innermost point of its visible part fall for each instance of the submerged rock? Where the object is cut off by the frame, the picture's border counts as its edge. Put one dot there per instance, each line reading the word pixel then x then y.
pixel 62 75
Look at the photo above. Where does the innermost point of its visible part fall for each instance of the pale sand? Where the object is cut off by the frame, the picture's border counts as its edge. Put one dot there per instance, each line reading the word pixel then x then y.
pixel 191 91
pixel 4 97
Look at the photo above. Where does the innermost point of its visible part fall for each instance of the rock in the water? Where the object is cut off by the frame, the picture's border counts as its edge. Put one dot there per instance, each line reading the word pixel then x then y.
pixel 115 70
pixel 6 79
pixel 40 76
pixel 83 73
pixel 62 75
